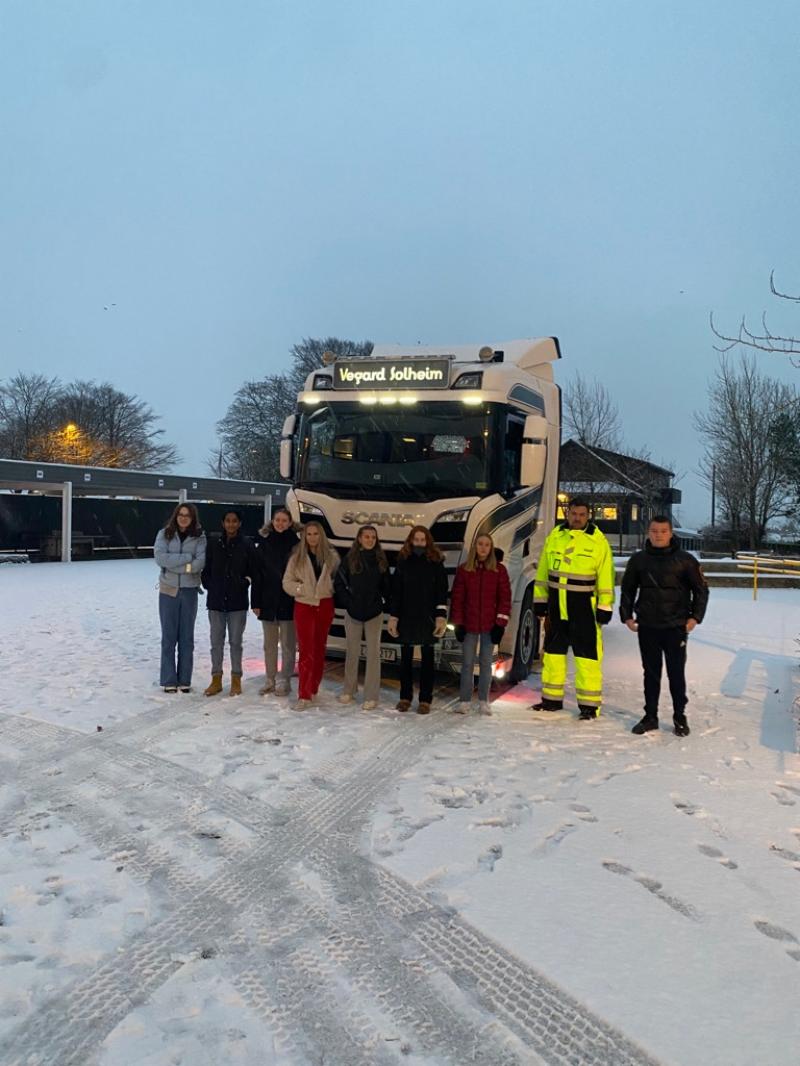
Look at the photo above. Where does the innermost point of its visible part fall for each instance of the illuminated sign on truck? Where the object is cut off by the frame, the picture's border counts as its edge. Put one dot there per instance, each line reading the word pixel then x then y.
pixel 391 374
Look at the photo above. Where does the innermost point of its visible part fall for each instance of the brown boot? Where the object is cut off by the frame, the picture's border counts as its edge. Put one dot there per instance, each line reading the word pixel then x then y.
pixel 423 708
pixel 215 687
pixel 236 684
pixel 404 705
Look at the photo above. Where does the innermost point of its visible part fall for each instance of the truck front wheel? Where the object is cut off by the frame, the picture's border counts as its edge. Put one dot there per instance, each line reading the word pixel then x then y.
pixel 527 644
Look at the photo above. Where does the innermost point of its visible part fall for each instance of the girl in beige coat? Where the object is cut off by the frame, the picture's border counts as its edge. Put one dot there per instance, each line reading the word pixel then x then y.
pixel 309 580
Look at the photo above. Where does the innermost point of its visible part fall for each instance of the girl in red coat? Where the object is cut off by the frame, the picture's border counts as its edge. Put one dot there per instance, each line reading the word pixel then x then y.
pixel 479 610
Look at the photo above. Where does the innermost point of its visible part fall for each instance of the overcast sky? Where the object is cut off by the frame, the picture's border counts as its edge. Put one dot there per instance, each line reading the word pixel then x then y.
pixel 229 178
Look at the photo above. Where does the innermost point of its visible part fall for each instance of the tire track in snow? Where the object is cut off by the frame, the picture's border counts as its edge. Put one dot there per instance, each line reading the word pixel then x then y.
pixel 464 983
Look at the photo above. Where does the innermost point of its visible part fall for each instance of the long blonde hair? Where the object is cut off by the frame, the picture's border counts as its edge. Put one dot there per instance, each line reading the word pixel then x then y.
pixel 472 554
pixel 325 553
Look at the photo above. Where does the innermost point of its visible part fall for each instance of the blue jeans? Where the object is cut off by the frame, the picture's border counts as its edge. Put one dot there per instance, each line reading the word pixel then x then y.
pixel 177 614
pixel 470 647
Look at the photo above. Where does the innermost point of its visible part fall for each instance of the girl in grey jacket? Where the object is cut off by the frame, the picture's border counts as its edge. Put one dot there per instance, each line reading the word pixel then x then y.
pixel 180 553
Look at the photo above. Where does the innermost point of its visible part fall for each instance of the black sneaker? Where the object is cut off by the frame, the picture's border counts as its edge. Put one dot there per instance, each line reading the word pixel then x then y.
pixel 681 725
pixel 648 723
pixel 588 714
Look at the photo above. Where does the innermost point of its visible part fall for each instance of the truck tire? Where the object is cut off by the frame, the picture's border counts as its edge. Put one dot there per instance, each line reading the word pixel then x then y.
pixel 527 644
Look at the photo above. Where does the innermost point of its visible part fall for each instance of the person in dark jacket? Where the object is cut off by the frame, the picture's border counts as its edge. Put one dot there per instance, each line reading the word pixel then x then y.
pixel 362 587
pixel 230 566
pixel 418 611
pixel 663 597
pixel 271 605
pixel 479 610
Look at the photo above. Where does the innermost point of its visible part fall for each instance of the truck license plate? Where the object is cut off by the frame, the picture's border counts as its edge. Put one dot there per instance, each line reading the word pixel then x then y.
pixel 388 655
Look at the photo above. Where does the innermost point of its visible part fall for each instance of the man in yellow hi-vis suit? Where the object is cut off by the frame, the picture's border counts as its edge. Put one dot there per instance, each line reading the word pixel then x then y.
pixel 574 589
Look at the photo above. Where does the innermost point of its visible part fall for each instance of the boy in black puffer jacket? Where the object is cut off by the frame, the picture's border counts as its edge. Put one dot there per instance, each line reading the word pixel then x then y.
pixel 664 587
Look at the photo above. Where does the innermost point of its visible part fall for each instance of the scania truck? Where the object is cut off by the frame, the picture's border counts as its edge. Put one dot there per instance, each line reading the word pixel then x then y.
pixel 462 439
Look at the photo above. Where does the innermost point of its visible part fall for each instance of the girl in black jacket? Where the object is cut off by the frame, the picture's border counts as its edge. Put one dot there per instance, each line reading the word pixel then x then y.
pixel 271 605
pixel 362 587
pixel 418 613
pixel 229 569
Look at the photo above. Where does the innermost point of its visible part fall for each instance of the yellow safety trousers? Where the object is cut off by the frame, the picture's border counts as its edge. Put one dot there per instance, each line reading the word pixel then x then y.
pixel 588 677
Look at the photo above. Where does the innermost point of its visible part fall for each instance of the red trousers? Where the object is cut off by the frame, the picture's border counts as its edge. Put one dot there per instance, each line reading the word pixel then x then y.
pixel 311 625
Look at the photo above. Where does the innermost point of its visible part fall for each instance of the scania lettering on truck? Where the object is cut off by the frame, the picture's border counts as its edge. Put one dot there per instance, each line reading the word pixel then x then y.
pixel 463 440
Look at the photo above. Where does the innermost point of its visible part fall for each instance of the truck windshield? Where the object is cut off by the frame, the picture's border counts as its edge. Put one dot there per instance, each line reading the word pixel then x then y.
pixel 421 452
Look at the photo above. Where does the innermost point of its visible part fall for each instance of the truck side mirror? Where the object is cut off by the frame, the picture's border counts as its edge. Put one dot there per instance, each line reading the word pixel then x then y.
pixel 287 448
pixel 534 451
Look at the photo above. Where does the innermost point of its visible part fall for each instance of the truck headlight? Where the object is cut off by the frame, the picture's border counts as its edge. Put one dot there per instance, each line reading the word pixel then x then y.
pixel 461 514
pixel 309 508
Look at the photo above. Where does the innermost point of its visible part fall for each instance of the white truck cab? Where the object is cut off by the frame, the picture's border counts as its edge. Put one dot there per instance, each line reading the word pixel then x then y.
pixel 463 440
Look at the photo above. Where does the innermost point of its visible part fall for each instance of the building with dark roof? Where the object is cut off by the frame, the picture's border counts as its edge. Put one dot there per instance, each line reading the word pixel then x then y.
pixel 623 491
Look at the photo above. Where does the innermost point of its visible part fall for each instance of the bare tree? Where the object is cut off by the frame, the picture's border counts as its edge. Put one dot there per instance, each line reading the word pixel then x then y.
pixel 118 428
pixel 82 423
pixel 249 434
pixel 766 341
pixel 738 431
pixel 28 412
pixel 589 414
pixel 307 355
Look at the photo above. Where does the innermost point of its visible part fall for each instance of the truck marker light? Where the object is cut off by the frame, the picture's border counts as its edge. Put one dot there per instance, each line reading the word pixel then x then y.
pixel 408 400
pixel 387 401
pixel 471 400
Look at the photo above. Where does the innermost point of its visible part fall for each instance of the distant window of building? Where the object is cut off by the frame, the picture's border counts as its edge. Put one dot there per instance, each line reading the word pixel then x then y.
pixel 605 512
pixel 634 512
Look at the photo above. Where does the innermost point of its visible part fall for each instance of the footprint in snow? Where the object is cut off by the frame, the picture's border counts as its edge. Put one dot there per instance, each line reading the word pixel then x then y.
pixel 500 821
pixel 409 829
pixel 734 762
pixel 601 779
pixel 489 858
pixel 583 812
pixel 784 853
pixel 552 840
pixel 783 800
pixel 694 811
pixel 655 888
pixel 775 932
pixel 715 853
pixel 788 788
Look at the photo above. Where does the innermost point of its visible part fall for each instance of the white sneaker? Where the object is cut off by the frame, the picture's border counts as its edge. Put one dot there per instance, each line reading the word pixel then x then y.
pixel 282 687
pixel 267 687
pixel 369 705
pixel 484 707
pixel 345 697
pixel 463 707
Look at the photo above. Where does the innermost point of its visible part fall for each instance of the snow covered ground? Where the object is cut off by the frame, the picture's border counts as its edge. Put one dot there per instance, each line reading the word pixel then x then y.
pixel 186 881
